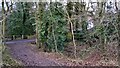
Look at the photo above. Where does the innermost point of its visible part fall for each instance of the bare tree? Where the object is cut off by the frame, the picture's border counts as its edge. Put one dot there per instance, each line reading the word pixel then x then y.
pixel 73 38
pixel 7 5
pixel 116 5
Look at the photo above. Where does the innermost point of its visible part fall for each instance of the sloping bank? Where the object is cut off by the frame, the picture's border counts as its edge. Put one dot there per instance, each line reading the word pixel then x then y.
pixel 7 59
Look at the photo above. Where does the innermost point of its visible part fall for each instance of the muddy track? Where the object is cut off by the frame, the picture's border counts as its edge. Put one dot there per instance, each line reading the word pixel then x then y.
pixel 28 55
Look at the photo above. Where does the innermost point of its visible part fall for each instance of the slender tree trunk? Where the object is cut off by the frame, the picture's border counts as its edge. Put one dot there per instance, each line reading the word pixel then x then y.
pixel 22 36
pixel 101 15
pixel 4 20
pixel 1 33
pixel 55 42
pixel 69 10
pixel 73 38
pixel 116 5
pixel 36 19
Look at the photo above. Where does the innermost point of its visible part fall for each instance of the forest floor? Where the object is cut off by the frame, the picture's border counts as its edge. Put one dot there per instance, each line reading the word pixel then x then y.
pixel 29 55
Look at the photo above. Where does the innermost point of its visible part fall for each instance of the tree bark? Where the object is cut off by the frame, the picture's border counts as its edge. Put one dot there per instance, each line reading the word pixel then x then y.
pixel 3 22
pixel 36 19
pixel 73 38
pixel 69 10
pixel 39 18
pixel 23 22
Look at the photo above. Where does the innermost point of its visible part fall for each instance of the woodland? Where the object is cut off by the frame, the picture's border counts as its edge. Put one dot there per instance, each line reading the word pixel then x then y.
pixel 60 34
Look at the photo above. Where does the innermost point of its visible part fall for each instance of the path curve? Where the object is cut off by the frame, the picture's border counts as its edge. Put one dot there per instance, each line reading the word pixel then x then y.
pixel 27 54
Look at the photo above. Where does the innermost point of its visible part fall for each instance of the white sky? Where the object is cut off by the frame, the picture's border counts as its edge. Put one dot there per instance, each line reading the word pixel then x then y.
pixel 58 0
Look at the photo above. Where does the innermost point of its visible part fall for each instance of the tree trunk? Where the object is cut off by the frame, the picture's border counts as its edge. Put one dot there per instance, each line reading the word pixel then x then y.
pixel 22 36
pixel 116 5
pixel 23 22
pixel 0 33
pixel 36 18
pixel 3 22
pixel 39 18
pixel 73 38
pixel 69 10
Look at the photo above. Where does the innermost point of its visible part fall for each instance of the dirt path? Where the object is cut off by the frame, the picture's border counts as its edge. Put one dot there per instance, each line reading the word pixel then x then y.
pixel 21 51
pixel 29 55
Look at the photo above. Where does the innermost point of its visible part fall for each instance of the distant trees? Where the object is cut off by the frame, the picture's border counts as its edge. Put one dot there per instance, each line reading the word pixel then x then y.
pixel 20 20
